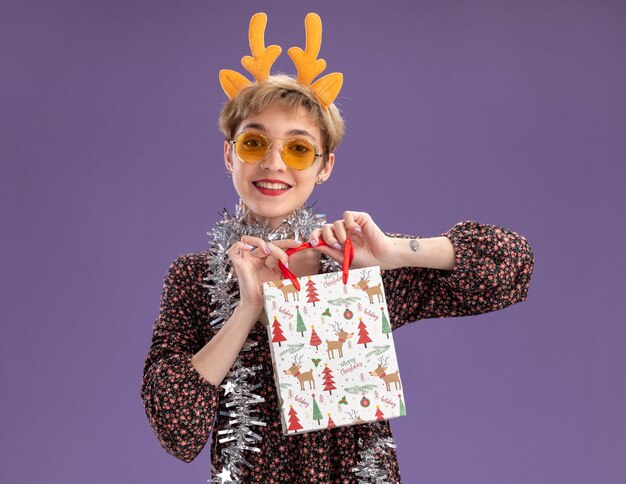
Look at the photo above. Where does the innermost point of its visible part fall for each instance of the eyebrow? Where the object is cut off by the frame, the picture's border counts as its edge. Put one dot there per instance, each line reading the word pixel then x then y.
pixel 258 126
pixel 300 132
pixel 291 132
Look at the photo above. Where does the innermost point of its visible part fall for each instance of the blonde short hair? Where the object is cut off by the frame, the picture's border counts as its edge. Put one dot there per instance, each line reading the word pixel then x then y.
pixel 284 91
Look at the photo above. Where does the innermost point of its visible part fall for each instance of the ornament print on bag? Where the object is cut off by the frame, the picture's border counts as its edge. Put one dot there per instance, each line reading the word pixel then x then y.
pixel 333 337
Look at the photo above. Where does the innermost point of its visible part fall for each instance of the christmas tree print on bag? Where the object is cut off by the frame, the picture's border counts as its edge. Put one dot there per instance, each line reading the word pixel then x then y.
pixel 332 349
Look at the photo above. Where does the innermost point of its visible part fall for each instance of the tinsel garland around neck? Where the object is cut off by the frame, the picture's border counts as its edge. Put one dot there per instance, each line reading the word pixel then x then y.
pixel 239 397
pixel 239 385
pixel 221 280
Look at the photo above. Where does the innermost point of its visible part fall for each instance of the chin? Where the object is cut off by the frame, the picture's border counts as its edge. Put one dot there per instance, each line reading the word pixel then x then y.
pixel 269 210
pixel 273 213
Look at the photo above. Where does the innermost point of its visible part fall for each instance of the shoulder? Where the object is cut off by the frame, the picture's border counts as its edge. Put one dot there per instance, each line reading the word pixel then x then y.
pixel 185 282
pixel 189 268
pixel 192 260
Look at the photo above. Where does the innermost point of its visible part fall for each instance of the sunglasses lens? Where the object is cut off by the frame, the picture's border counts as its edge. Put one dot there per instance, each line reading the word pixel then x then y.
pixel 298 154
pixel 251 147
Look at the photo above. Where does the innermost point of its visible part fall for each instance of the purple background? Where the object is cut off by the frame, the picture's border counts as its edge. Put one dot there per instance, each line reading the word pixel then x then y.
pixel 509 113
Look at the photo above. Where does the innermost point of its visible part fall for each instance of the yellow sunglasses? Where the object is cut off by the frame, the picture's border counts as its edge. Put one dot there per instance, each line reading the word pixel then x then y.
pixel 297 153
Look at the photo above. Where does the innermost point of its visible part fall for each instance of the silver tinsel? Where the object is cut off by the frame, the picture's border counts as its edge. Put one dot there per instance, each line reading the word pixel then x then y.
pixel 221 282
pixel 224 289
pixel 239 397
pixel 370 469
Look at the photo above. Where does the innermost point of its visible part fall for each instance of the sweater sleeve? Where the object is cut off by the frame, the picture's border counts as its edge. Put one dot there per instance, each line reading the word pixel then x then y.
pixel 493 267
pixel 179 402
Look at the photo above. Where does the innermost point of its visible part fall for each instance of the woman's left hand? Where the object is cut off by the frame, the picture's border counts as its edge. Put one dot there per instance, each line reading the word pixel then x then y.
pixel 371 246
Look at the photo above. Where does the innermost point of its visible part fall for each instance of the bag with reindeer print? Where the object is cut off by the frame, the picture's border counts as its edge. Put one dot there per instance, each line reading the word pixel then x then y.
pixel 332 348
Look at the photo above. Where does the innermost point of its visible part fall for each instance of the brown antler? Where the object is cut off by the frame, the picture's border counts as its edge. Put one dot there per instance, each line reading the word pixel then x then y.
pixel 309 66
pixel 366 274
pixel 306 61
pixel 353 414
pixel 262 59
pixel 259 64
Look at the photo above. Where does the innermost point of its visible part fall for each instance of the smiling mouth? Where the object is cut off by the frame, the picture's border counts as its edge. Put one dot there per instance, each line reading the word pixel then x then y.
pixel 271 186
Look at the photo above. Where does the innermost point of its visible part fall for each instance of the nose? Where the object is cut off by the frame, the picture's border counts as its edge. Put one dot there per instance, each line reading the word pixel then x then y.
pixel 273 160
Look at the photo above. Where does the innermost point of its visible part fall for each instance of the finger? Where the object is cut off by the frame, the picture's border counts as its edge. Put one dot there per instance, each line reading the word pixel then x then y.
pixel 314 239
pixel 283 244
pixel 287 243
pixel 238 249
pixel 272 263
pixel 335 254
pixel 278 253
pixel 365 221
pixel 329 236
pixel 350 223
pixel 257 242
pixel 340 231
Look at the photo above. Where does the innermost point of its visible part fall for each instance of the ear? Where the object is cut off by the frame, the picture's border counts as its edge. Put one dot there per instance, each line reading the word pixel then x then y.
pixel 227 161
pixel 327 169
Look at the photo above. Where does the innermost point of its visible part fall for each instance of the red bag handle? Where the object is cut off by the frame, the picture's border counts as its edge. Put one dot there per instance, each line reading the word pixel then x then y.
pixel 348 256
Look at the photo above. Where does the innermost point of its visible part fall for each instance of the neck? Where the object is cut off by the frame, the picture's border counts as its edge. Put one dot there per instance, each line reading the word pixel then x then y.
pixel 254 218
pixel 219 283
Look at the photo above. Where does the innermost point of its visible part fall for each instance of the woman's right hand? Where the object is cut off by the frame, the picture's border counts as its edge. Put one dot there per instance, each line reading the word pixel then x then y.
pixel 256 261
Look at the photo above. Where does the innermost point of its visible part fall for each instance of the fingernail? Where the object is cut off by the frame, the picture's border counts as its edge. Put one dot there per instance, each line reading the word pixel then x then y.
pixel 286 264
pixel 313 242
pixel 357 229
pixel 267 250
pixel 337 245
pixel 250 246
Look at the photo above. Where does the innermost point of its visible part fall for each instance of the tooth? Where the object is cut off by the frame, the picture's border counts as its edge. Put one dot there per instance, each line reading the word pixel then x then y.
pixel 273 186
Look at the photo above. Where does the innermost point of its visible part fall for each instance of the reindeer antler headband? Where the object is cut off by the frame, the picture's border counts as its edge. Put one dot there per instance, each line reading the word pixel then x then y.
pixel 308 65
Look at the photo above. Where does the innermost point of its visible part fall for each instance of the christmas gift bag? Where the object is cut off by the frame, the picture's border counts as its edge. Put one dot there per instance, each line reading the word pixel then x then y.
pixel 332 348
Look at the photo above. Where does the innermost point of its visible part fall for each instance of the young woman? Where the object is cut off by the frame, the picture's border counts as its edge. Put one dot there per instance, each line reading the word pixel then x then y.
pixel 279 143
